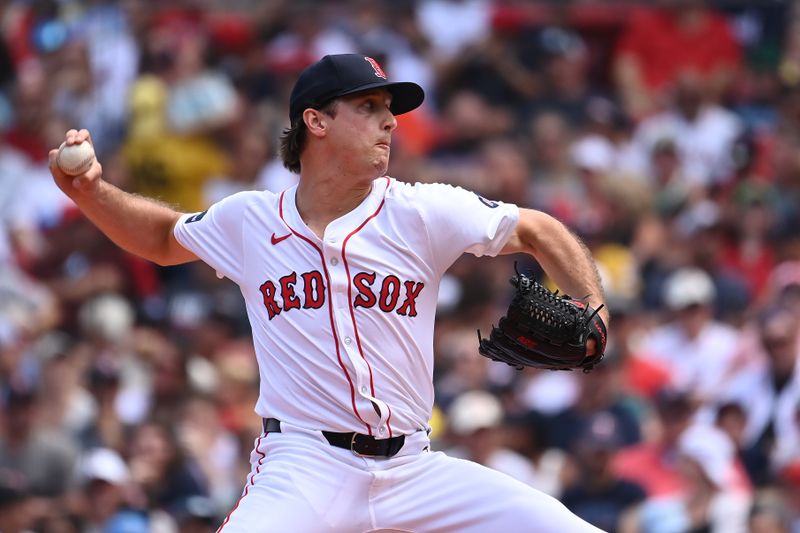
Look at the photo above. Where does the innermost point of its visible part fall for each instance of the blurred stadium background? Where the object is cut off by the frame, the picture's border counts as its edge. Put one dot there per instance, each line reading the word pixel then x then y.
pixel 665 133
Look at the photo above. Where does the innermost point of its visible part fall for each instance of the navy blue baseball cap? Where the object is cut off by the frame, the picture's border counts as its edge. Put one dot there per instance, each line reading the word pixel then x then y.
pixel 342 74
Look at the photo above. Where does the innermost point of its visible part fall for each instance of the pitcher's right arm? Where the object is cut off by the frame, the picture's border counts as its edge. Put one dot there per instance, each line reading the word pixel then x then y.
pixel 139 225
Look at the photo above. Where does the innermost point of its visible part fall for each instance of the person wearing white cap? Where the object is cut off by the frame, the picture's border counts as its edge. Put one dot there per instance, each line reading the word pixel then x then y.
pixel 111 497
pixel 473 421
pixel 696 350
pixel 104 464
pixel 103 476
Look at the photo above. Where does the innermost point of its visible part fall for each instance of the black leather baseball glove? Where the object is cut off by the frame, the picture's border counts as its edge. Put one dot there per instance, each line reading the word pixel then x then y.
pixel 543 329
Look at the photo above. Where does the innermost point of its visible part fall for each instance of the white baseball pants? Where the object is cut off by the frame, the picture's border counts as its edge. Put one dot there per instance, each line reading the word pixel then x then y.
pixel 299 483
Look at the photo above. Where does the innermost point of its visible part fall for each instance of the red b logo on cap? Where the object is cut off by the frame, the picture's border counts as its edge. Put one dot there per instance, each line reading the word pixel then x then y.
pixel 376 67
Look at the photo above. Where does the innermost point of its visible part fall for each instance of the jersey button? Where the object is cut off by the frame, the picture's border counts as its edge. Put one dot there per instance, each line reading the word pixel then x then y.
pixel 364 390
pixel 382 430
pixel 347 341
pixel 334 261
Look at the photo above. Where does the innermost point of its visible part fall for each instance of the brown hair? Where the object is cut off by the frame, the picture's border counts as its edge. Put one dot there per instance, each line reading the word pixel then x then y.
pixel 293 138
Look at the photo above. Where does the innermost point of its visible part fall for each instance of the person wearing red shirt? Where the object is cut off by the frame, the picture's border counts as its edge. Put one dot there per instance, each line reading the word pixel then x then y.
pixel 659 44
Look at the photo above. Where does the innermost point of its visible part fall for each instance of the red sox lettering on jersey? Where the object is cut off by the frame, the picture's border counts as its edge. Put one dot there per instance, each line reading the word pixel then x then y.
pixel 283 294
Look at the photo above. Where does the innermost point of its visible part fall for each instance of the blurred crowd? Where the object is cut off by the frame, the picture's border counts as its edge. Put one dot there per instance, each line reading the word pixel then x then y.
pixel 666 134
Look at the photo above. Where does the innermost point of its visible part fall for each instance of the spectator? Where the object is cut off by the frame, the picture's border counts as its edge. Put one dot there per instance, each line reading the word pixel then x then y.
pixel 653 464
pixel 596 494
pixel 251 152
pixel 770 394
pixel 466 370
pixel 526 433
pixel 474 421
pixel 673 190
pixel 641 377
pixel 753 461
pixel 555 186
pixel 695 349
pixel 599 393
pixel 27 308
pixel 611 201
pixel 702 131
pixel 565 65
pixel 64 402
pixel 213 449
pixel 104 478
pixel 196 515
pixel 45 455
pixel 107 430
pixel 497 68
pixel 173 110
pixel 13 230
pixel 661 43
pixel 705 461
pixel 452 25
pixel 160 467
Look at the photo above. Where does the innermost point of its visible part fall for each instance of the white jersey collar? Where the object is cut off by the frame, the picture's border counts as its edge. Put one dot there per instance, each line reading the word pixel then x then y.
pixel 339 227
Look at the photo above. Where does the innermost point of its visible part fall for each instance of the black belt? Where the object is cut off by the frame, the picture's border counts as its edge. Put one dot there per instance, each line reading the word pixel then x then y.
pixel 357 443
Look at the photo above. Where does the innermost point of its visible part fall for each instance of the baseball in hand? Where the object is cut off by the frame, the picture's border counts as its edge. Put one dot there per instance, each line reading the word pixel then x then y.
pixel 75 159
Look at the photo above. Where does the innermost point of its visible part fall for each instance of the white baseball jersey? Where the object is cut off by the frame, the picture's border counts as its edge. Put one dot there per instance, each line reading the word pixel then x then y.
pixel 343 325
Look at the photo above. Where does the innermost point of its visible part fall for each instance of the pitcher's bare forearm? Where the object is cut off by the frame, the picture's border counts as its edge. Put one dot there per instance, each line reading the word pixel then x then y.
pixel 139 225
pixel 562 255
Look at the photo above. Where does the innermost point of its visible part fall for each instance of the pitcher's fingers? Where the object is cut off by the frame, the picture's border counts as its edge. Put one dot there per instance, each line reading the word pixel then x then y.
pixel 81 181
pixel 591 347
pixel 88 178
pixel 84 135
pixel 54 170
pixel 70 136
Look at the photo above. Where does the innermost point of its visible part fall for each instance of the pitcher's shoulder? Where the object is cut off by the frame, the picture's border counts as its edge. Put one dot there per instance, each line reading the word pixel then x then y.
pixel 410 190
pixel 261 199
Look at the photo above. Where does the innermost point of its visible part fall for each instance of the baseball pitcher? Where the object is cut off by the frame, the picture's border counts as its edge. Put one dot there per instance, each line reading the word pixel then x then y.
pixel 340 277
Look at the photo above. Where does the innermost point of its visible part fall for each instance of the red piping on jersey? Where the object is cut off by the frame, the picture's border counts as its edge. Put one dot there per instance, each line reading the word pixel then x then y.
pixel 248 484
pixel 389 420
pixel 350 297
pixel 330 312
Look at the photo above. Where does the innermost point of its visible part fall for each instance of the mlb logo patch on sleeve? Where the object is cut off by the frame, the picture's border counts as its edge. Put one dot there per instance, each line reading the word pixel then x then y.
pixel 196 217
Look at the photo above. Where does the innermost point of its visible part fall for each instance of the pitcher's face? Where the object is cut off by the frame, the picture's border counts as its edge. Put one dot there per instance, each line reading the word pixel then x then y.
pixel 362 131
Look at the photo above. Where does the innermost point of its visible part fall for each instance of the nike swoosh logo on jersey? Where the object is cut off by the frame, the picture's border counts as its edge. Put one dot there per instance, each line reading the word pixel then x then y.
pixel 276 240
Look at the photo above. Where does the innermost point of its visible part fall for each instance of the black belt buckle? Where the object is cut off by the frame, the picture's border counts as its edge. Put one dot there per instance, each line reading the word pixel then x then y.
pixel 365 446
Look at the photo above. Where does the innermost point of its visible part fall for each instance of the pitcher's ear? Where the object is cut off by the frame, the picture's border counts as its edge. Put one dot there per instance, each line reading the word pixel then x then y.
pixel 316 122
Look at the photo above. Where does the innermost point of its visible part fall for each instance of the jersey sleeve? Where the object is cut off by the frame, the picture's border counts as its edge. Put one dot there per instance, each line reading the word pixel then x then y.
pixel 458 221
pixel 215 235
